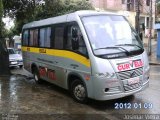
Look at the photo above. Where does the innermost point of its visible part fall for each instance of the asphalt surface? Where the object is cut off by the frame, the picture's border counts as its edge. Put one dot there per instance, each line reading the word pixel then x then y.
pixel 21 98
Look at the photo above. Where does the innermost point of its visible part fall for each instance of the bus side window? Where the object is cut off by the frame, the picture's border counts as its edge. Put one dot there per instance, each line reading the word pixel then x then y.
pixel 25 38
pixel 58 38
pixel 45 38
pixel 82 47
pixel 33 41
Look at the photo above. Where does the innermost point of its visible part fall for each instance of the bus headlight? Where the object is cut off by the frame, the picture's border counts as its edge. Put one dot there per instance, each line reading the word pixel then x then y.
pixel 106 75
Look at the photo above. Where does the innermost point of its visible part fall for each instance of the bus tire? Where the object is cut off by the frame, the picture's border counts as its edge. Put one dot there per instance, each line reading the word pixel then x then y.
pixel 78 91
pixel 36 75
pixel 21 66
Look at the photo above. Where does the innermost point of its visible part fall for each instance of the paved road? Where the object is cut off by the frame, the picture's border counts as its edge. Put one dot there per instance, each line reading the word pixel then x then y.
pixel 20 95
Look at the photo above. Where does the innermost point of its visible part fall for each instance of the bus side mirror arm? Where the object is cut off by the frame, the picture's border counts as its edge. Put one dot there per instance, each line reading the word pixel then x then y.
pixel 87 55
pixel 75 44
pixel 75 39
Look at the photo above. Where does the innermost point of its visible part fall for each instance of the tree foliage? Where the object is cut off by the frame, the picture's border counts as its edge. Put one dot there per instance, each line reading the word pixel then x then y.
pixel 25 11
pixel 58 7
pixel 157 1
pixel 3 52
pixel 21 10
pixel 2 25
pixel 158 8
pixel 1 15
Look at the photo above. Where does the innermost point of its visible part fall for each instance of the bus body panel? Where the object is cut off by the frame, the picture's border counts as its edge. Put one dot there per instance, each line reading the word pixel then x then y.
pixel 61 63
pixel 101 76
pixel 116 86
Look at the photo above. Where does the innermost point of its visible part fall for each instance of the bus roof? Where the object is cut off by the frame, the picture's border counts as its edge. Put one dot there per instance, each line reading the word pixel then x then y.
pixel 64 18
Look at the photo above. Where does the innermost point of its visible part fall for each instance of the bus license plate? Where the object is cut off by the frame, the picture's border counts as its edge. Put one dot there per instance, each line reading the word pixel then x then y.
pixel 133 81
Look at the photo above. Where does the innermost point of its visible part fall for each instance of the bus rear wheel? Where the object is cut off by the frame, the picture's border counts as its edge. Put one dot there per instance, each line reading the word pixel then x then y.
pixel 21 66
pixel 36 75
pixel 78 91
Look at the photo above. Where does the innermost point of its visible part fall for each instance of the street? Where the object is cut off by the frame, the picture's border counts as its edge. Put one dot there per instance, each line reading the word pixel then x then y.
pixel 96 49
pixel 20 95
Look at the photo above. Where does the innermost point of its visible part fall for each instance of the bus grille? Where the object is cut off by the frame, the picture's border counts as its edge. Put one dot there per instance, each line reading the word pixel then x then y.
pixel 130 73
pixel 131 87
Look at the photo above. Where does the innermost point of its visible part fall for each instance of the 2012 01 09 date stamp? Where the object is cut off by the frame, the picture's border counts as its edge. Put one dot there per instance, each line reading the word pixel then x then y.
pixel 133 106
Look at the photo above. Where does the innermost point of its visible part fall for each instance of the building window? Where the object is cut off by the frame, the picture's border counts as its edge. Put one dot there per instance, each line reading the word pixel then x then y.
pixel 147 24
pixel 147 2
pixel 59 35
pixel 82 47
pixel 33 38
pixel 123 1
pixel 130 5
pixel 45 37
pixel 25 38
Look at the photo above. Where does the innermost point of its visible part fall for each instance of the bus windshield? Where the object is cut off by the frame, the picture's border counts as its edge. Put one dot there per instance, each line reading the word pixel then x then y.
pixel 107 32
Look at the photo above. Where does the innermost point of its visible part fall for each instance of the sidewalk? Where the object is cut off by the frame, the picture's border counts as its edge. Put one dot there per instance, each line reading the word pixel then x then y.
pixel 153 60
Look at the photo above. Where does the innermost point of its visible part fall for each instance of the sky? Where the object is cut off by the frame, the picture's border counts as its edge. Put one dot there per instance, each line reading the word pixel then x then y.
pixel 8 22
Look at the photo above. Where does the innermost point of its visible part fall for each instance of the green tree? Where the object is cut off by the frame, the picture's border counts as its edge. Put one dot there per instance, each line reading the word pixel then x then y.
pixel 158 8
pixel 157 1
pixel 25 11
pixel 4 61
pixel 22 11
pixel 1 15
pixel 54 8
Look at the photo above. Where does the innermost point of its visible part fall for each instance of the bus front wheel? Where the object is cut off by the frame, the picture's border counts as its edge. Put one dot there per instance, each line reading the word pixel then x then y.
pixel 78 91
pixel 36 75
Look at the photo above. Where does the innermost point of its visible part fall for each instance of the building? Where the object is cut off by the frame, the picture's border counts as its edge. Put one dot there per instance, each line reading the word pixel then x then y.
pixel 17 42
pixel 128 9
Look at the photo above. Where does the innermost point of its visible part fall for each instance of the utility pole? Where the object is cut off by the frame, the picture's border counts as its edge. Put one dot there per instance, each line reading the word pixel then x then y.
pixel 137 16
pixel 150 30
pixel 155 12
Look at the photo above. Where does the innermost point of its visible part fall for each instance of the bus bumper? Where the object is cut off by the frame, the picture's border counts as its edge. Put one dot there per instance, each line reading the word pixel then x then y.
pixel 102 95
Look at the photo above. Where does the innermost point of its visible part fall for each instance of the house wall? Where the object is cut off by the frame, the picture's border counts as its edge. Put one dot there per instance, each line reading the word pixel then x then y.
pixel 122 8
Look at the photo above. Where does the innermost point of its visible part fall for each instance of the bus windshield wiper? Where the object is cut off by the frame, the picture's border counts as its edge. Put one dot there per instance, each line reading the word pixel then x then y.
pixel 129 45
pixel 107 48
pixel 119 48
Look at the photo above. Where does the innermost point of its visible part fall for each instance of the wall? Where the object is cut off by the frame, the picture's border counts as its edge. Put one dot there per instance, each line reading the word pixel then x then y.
pixel 118 7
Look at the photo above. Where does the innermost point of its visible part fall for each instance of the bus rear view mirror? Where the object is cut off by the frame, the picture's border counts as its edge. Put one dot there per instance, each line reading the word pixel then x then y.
pixel 75 39
pixel 74 33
